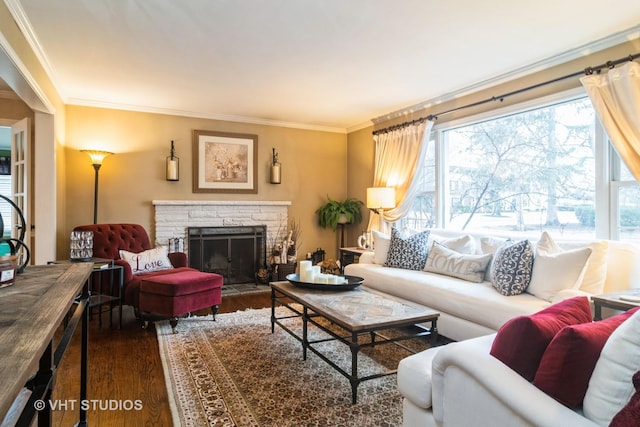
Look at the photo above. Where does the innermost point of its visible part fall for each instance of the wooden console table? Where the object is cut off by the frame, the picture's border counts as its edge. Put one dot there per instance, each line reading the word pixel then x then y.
pixel 31 311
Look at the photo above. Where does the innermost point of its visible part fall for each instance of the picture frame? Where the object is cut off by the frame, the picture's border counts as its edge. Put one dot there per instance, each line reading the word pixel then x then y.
pixel 225 162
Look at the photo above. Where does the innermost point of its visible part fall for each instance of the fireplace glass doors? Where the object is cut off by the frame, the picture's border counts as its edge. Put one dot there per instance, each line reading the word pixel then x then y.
pixel 236 253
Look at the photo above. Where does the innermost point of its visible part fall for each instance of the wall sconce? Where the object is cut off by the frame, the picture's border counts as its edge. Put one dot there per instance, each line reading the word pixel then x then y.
pixel 97 157
pixel 379 199
pixel 275 175
pixel 173 165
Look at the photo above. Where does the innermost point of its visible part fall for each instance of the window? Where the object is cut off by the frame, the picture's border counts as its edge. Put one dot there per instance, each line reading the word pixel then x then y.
pixel 625 192
pixel 521 171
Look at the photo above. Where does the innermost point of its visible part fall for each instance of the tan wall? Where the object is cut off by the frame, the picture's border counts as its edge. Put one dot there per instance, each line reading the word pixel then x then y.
pixel 360 174
pixel 314 164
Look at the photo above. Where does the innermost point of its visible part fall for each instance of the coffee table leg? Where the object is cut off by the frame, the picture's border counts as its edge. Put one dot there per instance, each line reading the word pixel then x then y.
pixel 434 332
pixel 355 347
pixel 273 310
pixel 305 340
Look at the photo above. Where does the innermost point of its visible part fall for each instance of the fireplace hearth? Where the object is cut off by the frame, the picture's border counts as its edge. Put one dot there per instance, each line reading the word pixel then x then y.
pixel 234 252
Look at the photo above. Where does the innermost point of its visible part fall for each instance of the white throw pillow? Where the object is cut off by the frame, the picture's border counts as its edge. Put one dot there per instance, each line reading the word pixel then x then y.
pixel 381 242
pixel 446 261
pixel 555 272
pixel 462 244
pixel 595 272
pixel 150 260
pixel 610 386
pixel 490 245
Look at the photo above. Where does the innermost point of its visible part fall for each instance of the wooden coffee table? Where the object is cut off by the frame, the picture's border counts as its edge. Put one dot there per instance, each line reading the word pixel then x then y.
pixel 358 311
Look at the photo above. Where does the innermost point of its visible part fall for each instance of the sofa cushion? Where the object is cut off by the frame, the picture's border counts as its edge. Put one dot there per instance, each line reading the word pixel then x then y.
pixel 477 303
pixel 555 271
pixel 595 272
pixel 512 267
pixel 451 263
pixel 407 251
pixel 521 342
pixel 609 387
pixel 464 244
pixel 414 377
pixel 146 261
pixel 381 243
pixel 490 245
pixel 568 361
pixel 630 414
pixel 185 282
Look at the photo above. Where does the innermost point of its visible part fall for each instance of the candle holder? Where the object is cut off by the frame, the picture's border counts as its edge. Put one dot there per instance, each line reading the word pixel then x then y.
pixel 275 175
pixel 173 165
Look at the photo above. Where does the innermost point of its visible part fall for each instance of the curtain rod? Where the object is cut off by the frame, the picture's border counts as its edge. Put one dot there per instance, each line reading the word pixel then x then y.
pixel 586 71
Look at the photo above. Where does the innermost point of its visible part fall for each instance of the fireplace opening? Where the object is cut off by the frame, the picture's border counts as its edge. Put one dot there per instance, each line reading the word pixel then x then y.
pixel 237 253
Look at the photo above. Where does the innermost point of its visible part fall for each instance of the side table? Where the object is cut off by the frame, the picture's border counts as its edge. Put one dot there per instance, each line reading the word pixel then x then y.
pixel 613 300
pixel 98 295
pixel 350 255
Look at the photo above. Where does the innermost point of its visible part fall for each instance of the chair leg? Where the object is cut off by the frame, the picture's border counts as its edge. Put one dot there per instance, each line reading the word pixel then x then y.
pixel 174 322
pixel 214 311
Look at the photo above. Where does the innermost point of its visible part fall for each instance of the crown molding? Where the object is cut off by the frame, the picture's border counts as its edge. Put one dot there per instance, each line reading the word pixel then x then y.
pixel 569 55
pixel 201 115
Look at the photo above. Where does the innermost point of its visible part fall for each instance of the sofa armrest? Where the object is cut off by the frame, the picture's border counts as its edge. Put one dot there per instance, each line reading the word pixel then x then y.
pixel 178 259
pixel 470 386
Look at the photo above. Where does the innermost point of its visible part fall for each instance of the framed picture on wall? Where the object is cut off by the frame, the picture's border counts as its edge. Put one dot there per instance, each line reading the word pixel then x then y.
pixel 224 162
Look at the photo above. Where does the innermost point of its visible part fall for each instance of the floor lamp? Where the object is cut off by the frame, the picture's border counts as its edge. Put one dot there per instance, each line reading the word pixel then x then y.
pixel 379 199
pixel 97 157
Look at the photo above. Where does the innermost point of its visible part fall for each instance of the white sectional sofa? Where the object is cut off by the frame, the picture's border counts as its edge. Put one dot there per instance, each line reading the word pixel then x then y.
pixel 468 309
pixel 462 384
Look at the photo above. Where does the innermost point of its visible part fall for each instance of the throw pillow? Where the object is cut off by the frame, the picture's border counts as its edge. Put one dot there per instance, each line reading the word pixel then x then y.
pixel 150 260
pixel 408 252
pixel 490 245
pixel 557 271
pixel 521 342
pixel 451 263
pixel 462 244
pixel 609 388
pixel 595 272
pixel 512 268
pixel 630 414
pixel 568 362
pixel 381 243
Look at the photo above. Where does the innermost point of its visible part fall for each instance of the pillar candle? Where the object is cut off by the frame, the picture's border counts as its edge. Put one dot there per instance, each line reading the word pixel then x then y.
pixel 172 170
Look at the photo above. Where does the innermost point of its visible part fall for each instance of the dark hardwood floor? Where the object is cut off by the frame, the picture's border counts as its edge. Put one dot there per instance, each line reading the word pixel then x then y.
pixel 125 369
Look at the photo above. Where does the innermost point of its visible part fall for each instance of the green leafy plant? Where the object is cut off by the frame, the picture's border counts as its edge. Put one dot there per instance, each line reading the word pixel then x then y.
pixel 334 212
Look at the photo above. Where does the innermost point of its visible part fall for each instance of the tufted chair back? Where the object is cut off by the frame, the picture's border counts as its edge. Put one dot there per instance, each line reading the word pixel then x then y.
pixel 108 239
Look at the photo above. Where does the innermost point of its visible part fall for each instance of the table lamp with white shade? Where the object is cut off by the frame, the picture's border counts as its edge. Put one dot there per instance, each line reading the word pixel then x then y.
pixel 379 199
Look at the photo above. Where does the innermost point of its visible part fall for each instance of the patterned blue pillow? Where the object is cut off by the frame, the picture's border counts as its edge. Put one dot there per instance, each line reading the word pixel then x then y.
pixel 408 252
pixel 512 268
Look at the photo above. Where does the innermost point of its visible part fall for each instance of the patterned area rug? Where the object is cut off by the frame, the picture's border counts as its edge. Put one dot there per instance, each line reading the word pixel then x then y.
pixel 235 372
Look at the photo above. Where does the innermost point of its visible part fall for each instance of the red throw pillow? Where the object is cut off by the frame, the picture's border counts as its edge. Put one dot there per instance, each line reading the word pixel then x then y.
pixel 521 342
pixel 630 414
pixel 568 362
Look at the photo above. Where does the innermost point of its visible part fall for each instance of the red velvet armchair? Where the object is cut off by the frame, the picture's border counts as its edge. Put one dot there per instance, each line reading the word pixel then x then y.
pixel 171 292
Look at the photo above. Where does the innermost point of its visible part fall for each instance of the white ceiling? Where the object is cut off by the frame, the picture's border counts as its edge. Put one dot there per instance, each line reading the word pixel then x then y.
pixel 326 64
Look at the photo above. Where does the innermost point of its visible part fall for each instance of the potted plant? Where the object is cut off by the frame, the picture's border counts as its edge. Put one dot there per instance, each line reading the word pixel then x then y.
pixel 334 212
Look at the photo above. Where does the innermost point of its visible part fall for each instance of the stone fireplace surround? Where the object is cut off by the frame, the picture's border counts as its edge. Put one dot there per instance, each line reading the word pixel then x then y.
pixel 172 217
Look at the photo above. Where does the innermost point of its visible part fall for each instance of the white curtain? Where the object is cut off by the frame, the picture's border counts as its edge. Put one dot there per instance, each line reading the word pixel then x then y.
pixel 398 157
pixel 616 99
